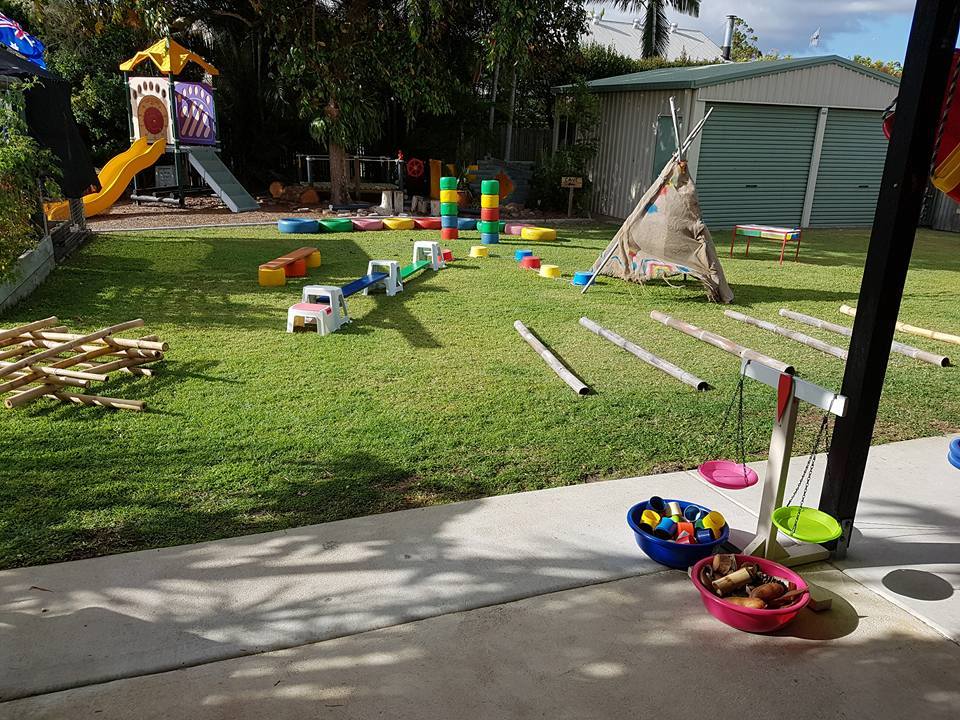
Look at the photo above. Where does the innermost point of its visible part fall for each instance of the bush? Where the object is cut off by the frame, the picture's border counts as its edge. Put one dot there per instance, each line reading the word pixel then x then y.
pixel 573 160
pixel 22 163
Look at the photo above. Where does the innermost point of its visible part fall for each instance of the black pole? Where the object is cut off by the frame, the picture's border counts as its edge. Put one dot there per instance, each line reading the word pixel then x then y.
pixel 925 73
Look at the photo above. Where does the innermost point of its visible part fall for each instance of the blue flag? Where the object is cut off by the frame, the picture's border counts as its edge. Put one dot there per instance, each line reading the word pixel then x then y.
pixel 15 37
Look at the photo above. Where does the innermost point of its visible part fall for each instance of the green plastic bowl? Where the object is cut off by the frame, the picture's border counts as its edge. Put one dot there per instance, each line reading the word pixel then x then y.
pixel 814 526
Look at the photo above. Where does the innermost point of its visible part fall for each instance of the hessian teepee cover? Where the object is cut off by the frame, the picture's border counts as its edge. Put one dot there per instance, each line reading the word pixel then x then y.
pixel 666 228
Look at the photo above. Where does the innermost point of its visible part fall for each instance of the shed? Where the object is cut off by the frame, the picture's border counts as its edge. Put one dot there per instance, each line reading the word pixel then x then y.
pixel 790 142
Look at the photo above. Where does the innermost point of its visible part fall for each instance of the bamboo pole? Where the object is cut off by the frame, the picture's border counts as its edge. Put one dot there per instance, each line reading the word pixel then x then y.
pixel 28 378
pixel 139 344
pixel 108 349
pixel 22 398
pixel 911 329
pixel 799 337
pixel 550 359
pixel 897 347
pixel 648 357
pixel 37 325
pixel 69 345
pixel 720 342
pixel 120 364
pixel 80 399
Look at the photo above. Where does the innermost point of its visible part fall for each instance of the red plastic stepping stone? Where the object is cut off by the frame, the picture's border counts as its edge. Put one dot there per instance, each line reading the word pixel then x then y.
pixel 447 255
pixel 531 262
pixel 298 268
pixel 449 234
pixel 427 223
pixel 490 214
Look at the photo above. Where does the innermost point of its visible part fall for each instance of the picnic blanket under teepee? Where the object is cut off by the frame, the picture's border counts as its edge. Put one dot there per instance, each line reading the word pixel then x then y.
pixel 665 231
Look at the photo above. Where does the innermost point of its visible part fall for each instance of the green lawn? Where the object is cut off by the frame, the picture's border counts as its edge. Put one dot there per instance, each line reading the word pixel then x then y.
pixel 428 397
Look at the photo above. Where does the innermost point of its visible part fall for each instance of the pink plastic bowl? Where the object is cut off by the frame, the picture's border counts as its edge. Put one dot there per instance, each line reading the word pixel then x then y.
pixel 751 619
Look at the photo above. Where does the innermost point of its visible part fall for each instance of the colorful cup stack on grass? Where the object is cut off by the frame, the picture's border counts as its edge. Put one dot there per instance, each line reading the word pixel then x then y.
pixel 489 225
pixel 449 223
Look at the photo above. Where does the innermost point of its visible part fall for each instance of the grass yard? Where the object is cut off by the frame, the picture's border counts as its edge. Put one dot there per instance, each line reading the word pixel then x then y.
pixel 427 397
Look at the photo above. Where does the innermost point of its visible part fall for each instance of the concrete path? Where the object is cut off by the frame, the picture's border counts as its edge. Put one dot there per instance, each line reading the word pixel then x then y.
pixel 88 621
pixel 636 648
pixel 74 624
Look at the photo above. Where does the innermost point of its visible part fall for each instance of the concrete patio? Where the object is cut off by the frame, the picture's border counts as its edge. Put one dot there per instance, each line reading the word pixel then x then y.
pixel 529 605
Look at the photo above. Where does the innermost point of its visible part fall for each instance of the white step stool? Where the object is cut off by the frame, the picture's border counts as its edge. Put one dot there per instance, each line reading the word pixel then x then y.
pixel 334 296
pixel 429 250
pixel 322 315
pixel 391 284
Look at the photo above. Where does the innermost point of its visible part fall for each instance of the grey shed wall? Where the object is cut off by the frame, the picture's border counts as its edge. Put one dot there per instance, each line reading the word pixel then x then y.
pixel 623 167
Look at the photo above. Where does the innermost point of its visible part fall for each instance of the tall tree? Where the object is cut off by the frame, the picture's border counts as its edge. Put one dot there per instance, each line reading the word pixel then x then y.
pixel 656 26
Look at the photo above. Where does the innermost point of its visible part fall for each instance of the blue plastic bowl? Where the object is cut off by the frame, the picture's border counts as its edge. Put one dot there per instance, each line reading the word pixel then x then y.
pixel 298 225
pixel 581 277
pixel 467 223
pixel 667 552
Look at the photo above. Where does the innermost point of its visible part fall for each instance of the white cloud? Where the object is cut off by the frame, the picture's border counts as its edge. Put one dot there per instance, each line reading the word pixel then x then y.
pixel 786 25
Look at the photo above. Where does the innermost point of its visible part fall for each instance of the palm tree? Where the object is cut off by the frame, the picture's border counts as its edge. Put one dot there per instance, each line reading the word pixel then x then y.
pixel 656 28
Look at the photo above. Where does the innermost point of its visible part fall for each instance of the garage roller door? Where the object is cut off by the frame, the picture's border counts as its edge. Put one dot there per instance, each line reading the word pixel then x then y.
pixel 754 163
pixel 851 165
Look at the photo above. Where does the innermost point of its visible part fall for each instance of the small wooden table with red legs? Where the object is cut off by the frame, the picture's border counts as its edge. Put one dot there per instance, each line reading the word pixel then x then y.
pixel 767 232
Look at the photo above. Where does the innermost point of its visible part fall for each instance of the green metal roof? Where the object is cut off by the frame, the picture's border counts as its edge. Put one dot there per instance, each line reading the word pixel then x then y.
pixel 678 78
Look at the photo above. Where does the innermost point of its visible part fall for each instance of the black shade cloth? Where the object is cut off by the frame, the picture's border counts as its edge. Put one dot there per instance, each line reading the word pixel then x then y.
pixel 51 122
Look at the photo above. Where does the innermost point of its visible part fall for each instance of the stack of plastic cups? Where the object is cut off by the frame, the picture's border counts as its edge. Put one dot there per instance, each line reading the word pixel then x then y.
pixel 489 225
pixel 448 209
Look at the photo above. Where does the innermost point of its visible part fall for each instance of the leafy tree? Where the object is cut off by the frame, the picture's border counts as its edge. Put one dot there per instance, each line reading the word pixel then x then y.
pixel 745 47
pixel 656 25
pixel 22 164
pixel 890 67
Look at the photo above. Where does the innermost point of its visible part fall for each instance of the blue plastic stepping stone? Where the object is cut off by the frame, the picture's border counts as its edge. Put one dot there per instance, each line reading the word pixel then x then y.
pixel 489 238
pixel 298 225
pixel 581 277
pixel 467 223
pixel 449 222
pixel 519 255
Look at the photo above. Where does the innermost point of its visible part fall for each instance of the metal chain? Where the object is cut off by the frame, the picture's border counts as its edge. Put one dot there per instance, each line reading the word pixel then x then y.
pixel 807 475
pixel 737 393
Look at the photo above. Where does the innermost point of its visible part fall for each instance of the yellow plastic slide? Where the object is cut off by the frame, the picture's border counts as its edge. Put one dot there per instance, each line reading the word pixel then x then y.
pixel 114 178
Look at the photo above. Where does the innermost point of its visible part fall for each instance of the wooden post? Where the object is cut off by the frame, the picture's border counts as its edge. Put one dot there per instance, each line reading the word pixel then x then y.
pixel 721 342
pixel 911 329
pixel 648 357
pixel 792 334
pixel 550 359
pixel 897 347
pixel 905 177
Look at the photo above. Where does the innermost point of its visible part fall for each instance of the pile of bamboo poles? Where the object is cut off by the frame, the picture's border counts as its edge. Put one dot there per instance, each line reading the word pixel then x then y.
pixel 44 359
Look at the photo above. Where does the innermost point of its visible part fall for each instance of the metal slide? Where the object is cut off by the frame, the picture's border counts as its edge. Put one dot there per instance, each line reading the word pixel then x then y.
pixel 218 176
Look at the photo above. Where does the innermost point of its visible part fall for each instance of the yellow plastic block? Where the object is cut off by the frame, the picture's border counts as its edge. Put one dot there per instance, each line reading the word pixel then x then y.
pixel 538 233
pixel 489 201
pixel 398 223
pixel 550 271
pixel 479 251
pixel 313 259
pixel 449 196
pixel 272 277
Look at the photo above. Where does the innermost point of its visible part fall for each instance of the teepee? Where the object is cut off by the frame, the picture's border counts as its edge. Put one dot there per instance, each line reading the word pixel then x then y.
pixel 666 231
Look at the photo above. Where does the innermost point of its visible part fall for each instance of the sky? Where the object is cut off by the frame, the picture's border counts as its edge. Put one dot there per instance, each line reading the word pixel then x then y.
pixel 877 28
